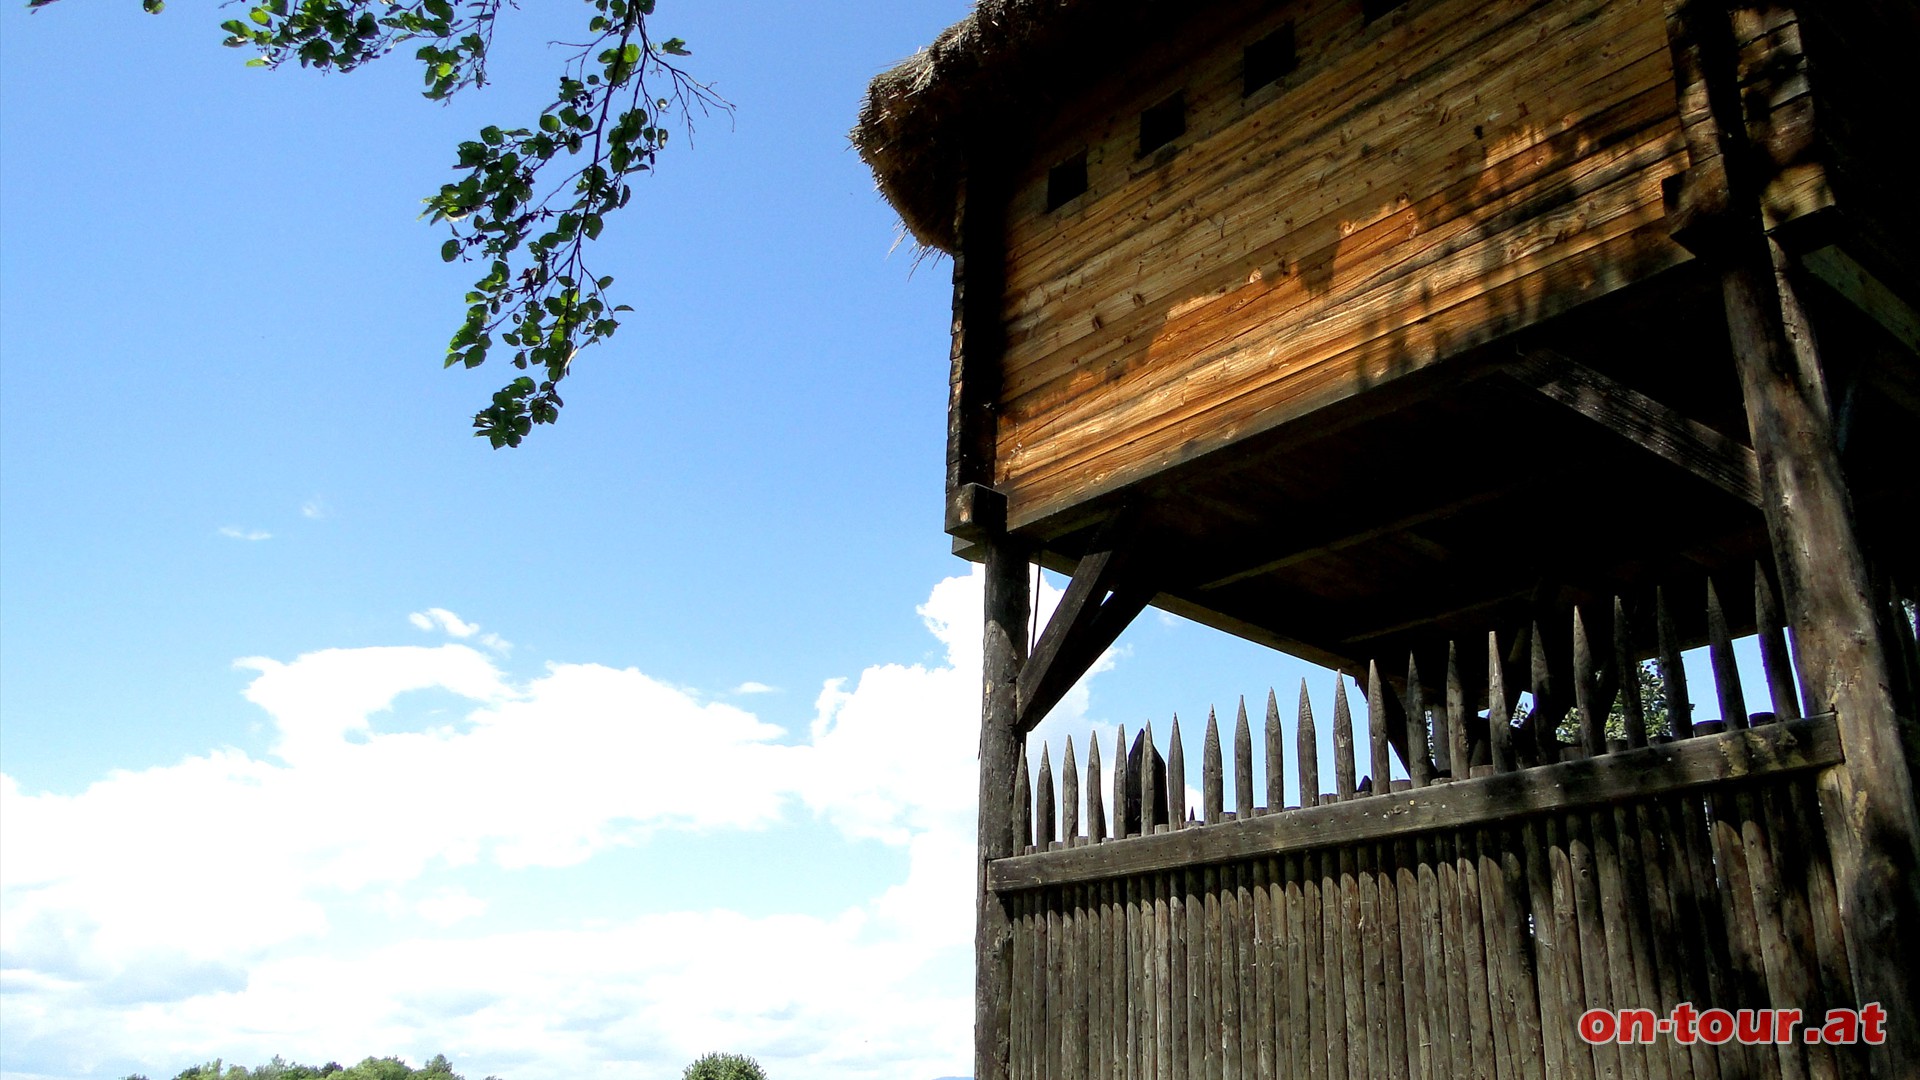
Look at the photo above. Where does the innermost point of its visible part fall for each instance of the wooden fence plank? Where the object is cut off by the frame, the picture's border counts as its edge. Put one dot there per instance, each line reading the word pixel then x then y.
pixel 1213 800
pixel 1673 672
pixel 1096 809
pixel 1773 646
pixel 1352 965
pixel 1373 972
pixel 1176 778
pixel 1120 783
pixel 1343 762
pixel 1307 746
pixel 1473 950
pixel 1069 796
pixel 1276 758
pixel 1393 946
pixel 1414 987
pixel 1333 982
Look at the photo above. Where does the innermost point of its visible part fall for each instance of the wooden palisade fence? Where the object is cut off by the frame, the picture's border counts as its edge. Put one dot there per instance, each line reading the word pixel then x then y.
pixel 1453 924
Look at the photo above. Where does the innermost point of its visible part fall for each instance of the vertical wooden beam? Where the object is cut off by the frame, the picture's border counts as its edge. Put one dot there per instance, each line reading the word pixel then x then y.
pixel 1008 596
pixel 1870 815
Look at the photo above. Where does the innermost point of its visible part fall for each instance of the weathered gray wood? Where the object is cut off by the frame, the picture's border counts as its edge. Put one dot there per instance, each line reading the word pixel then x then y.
pixel 1242 764
pixel 1452 953
pixel 1276 748
pixel 1379 765
pixel 1212 798
pixel 1593 711
pixel 1570 977
pixel 1002 651
pixel 1726 672
pixel 1556 1024
pixel 1043 832
pixel 1618 927
pixel 1673 672
pixel 1373 971
pixel 1176 778
pixel 1418 758
pixel 1149 783
pixel 1473 949
pixel 1343 761
pixel 1438 999
pixel 1352 961
pixel 1096 811
pixel 1307 742
pixel 1499 721
pixel 1181 957
pixel 1540 740
pixel 1162 969
pixel 1459 717
pixel 1414 987
pixel 1568 786
pixel 1196 938
pixel 1022 806
pixel 1773 647
pixel 1641 420
pixel 1069 796
pixel 1333 983
pixel 1229 958
pixel 1625 662
pixel 1120 782
pixel 1258 990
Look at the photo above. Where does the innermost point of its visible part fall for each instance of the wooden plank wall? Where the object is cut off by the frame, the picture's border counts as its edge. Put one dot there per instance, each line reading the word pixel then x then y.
pixel 1449 928
pixel 1420 184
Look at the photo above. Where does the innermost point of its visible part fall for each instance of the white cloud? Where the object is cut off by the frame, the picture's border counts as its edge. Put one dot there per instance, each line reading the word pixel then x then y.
pixel 234 532
pixel 751 687
pixel 449 623
pixel 313 509
pixel 334 897
pixel 454 626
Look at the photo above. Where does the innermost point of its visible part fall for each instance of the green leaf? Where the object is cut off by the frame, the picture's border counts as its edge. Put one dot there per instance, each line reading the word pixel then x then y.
pixel 450 251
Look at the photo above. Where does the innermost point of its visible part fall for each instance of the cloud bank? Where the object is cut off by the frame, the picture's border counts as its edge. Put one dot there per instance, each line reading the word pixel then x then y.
pixel 361 887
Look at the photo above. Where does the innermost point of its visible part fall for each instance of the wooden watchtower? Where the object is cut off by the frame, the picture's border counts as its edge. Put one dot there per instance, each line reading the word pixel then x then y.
pixel 1365 329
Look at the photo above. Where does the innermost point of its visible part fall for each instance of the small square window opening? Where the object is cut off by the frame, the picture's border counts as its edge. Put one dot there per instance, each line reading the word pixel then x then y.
pixel 1268 60
pixel 1066 180
pixel 1161 124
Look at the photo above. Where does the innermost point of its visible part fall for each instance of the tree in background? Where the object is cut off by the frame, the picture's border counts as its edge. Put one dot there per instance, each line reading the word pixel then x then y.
pixel 386 1068
pixel 527 225
pixel 724 1067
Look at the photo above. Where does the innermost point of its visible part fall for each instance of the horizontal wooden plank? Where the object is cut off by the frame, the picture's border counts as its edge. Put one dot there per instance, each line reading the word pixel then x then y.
pixel 1752 754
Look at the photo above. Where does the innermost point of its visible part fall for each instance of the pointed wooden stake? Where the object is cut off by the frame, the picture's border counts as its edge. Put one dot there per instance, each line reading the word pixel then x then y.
pixel 1306 743
pixel 1459 755
pixel 1043 833
pixel 1212 799
pixel 1022 806
pixel 1593 721
pixel 1120 783
pixel 1276 758
pixel 1242 765
pixel 1096 812
pixel 1673 671
pixel 1176 778
pixel 1726 672
pixel 1499 721
pixel 1069 796
pixel 1623 660
pixel 1419 761
pixel 1773 647
pixel 1343 762
pixel 1149 785
pixel 1379 765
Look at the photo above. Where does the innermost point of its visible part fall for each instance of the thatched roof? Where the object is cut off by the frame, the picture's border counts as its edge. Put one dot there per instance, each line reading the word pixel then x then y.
pixel 920 118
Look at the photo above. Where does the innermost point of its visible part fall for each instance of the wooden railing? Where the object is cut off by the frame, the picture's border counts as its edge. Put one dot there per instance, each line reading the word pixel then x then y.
pixel 1434 733
pixel 1442 925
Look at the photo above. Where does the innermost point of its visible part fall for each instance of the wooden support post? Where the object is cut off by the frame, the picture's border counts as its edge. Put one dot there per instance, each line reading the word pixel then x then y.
pixel 1003 652
pixel 1872 824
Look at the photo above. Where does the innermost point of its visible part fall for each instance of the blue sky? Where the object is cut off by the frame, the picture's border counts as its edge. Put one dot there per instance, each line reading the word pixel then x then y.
pixel 329 732
pixel 253 808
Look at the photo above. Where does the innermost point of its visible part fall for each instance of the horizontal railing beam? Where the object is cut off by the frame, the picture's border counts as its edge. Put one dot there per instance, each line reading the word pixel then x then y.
pixel 1662 769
